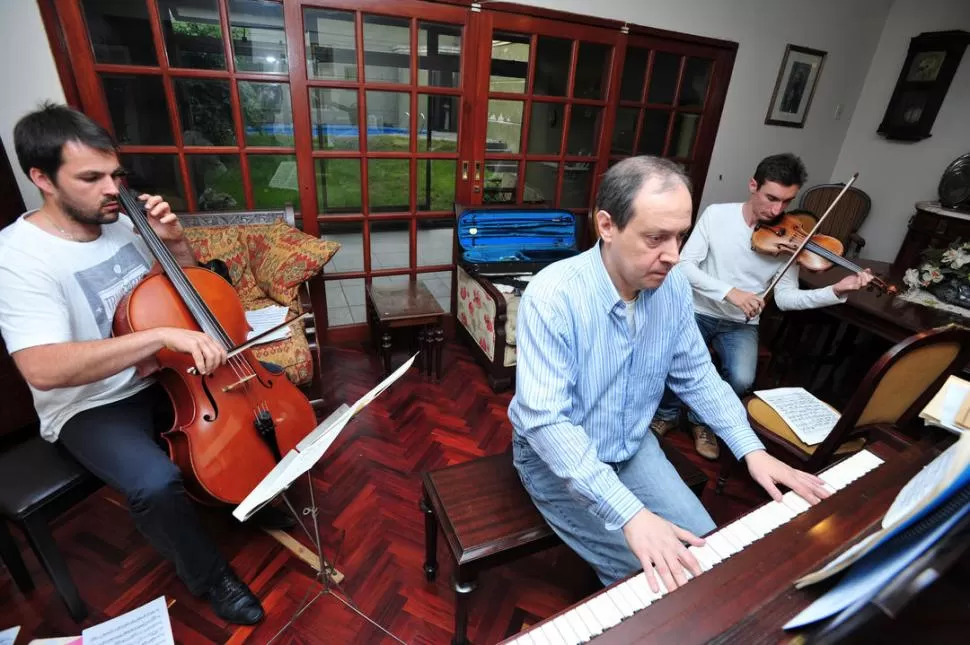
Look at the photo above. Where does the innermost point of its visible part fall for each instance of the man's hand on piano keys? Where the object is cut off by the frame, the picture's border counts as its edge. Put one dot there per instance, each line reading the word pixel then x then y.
pixel 768 471
pixel 659 545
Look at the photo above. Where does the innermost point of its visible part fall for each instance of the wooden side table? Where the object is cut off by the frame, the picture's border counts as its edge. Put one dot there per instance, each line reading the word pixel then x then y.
pixel 407 305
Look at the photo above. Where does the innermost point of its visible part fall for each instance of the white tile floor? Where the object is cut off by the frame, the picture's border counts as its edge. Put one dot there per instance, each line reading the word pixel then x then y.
pixel 389 250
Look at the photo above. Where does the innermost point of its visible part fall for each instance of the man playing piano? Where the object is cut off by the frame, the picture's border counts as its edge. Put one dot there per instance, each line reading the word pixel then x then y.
pixel 599 336
pixel 727 275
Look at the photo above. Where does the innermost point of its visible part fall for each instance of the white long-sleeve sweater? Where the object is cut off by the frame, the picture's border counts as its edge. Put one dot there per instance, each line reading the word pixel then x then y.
pixel 718 257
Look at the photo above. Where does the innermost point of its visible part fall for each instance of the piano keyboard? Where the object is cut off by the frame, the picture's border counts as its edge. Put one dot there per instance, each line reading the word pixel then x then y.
pixel 607 609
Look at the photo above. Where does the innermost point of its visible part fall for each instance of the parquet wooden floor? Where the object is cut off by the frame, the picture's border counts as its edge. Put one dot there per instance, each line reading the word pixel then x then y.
pixel 367 488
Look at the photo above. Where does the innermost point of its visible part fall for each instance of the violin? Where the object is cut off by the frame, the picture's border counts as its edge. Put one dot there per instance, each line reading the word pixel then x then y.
pixel 233 425
pixel 787 234
pixel 784 234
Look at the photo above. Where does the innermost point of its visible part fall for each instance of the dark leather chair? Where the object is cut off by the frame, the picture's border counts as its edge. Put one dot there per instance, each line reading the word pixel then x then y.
pixel 38 481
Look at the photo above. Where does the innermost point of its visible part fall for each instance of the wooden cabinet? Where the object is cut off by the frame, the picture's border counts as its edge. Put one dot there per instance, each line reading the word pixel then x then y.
pixel 931 226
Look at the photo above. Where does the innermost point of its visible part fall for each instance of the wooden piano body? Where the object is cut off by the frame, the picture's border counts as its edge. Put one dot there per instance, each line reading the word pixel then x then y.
pixel 747 597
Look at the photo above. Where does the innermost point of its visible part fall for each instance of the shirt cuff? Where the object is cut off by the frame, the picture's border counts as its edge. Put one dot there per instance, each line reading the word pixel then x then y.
pixel 836 299
pixel 742 442
pixel 617 507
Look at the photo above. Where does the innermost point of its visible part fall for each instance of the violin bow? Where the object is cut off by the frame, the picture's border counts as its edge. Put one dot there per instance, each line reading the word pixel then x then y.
pixel 808 237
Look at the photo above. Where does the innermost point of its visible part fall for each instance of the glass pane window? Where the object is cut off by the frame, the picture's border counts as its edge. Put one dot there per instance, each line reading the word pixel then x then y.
pixel 267 116
pixel 205 112
pixel 624 130
pixel 157 175
pixel 350 257
pixel 437 123
pixel 274 180
pixel 331 50
pixel 436 184
pixel 139 112
pixel 390 244
pixel 697 76
pixel 193 33
pixel 120 32
pixel 552 66
pixel 634 71
pixel 653 134
pixel 436 239
pixel 510 63
pixel 439 55
pixel 387 49
pixel 545 128
pixel 501 181
pixel 217 182
pixel 592 70
pixel 258 35
pixel 575 185
pixel 340 293
pixel 584 130
pixel 685 132
pixel 389 121
pixel 663 78
pixel 504 129
pixel 389 184
pixel 540 182
pixel 333 116
pixel 438 283
pixel 338 186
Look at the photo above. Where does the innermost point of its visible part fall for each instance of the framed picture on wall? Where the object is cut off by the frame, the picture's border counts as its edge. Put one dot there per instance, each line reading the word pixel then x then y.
pixel 795 86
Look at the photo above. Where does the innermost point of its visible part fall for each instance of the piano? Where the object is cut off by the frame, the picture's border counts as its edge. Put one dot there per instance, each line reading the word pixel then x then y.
pixel 746 592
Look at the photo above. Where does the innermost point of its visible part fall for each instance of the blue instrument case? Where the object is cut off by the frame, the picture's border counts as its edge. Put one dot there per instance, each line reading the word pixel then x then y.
pixel 514 240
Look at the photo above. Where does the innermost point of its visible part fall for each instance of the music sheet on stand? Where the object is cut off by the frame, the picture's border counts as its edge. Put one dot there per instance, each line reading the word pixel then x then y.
pixel 809 418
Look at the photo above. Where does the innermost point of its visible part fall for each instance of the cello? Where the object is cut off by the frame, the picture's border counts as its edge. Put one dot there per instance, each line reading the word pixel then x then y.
pixel 232 425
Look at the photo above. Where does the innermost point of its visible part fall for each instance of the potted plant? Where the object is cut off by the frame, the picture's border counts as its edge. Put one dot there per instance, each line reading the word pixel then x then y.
pixel 945 273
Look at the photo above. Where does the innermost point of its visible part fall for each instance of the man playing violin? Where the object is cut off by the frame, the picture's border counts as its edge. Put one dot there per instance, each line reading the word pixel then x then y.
pixel 63 269
pixel 727 276
pixel 599 335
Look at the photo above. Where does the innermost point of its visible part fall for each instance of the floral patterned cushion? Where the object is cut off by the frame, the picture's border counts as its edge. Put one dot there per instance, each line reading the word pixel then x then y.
pixel 282 257
pixel 476 312
pixel 223 243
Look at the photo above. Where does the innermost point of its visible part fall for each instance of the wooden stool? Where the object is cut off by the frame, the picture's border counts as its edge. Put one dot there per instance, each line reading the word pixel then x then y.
pixel 489 519
pixel 407 305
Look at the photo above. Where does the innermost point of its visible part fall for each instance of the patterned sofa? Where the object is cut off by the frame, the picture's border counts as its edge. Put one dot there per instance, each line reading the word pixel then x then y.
pixel 270 262
pixel 486 318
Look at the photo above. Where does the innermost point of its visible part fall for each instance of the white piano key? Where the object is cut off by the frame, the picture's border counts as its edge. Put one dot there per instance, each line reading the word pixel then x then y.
pixel 524 638
pixel 638 585
pixel 795 503
pixel 631 597
pixel 702 557
pixel 786 513
pixel 640 580
pixel 606 611
pixel 580 628
pixel 753 523
pixel 539 636
pixel 619 599
pixel 569 637
pixel 723 548
pixel 774 516
pixel 730 540
pixel 589 618
pixel 553 635
pixel 742 530
pixel 866 457
pixel 712 556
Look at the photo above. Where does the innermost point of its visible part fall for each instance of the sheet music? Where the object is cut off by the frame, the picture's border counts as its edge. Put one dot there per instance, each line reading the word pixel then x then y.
pixel 809 418
pixel 9 636
pixel 262 319
pixel 147 625
pixel 920 487
pixel 956 393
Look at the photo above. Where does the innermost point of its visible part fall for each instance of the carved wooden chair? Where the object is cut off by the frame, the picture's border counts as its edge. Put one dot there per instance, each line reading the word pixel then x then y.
pixel 891 396
pixel 846 218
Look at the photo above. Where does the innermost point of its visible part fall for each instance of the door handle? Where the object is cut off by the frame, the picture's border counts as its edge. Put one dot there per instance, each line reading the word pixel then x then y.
pixel 478 171
pixel 464 170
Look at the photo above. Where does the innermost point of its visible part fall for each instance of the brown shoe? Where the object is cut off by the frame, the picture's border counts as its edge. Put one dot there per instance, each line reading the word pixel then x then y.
pixel 663 426
pixel 705 442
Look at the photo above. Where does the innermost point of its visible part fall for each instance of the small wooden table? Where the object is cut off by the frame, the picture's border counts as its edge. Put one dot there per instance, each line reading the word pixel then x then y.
pixel 407 305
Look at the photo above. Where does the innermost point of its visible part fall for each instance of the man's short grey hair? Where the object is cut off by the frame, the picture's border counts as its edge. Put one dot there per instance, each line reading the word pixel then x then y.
pixel 622 182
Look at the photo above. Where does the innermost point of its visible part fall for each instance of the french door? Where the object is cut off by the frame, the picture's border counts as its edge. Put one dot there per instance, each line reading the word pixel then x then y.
pixel 375 117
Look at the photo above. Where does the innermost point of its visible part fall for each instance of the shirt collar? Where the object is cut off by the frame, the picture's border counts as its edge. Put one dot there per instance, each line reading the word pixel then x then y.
pixel 603 286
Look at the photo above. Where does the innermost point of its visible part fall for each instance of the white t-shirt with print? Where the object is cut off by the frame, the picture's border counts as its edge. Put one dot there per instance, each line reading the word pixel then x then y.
pixel 54 290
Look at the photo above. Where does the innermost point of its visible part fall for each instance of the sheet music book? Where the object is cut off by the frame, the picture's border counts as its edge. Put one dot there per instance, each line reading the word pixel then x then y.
pixel 149 624
pixel 950 407
pixel 932 486
pixel 810 418
pixel 311 449
pixel 9 636
pixel 266 318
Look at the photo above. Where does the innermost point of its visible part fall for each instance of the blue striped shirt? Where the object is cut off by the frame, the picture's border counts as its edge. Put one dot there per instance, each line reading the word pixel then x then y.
pixel 587 388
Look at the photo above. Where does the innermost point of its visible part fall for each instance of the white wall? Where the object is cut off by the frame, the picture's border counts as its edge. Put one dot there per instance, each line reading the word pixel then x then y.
pixel 28 77
pixel 848 31
pixel 897 174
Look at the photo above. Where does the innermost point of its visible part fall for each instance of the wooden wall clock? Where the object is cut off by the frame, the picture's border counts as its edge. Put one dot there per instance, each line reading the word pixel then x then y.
pixel 931 62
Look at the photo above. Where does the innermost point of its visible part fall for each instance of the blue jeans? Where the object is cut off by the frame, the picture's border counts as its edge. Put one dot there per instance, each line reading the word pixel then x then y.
pixel 736 345
pixel 648 475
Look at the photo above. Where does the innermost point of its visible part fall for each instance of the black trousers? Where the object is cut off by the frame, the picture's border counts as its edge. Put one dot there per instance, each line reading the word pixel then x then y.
pixel 118 443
